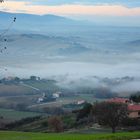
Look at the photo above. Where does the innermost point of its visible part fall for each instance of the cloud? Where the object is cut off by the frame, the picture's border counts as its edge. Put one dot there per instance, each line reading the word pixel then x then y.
pixel 127 3
pixel 73 9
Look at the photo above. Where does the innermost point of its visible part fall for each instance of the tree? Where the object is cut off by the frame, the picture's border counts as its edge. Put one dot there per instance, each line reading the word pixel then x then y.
pixel 1 122
pixel 33 78
pixel 17 79
pixel 135 98
pixel 56 124
pixel 111 114
pixel 84 112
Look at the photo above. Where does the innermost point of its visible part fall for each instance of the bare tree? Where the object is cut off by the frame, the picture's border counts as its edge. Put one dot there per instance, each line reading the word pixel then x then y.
pixel 111 114
pixel 55 124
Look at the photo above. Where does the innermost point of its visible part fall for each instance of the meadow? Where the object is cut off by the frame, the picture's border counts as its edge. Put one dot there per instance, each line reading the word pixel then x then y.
pixel 42 136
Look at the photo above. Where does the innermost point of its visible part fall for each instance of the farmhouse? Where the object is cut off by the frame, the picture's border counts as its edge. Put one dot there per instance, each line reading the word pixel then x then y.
pixel 133 108
pixel 46 98
pixel 119 100
pixel 81 102
pixel 57 94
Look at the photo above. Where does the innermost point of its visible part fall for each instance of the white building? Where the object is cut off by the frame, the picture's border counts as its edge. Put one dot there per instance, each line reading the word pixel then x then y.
pixel 57 94
pixel 40 100
pixel 81 102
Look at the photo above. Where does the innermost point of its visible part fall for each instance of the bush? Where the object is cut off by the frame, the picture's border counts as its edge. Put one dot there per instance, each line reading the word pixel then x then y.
pixel 69 121
pixel 22 122
pixel 131 122
pixel 84 112
pixel 45 124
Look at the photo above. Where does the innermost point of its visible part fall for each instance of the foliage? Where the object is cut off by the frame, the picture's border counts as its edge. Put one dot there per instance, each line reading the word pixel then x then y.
pixel 55 123
pixel 111 114
pixel 84 112
pixel 135 98
pixel 131 122
pixel 21 122
pixel 69 121
pixel 33 78
pixel 45 124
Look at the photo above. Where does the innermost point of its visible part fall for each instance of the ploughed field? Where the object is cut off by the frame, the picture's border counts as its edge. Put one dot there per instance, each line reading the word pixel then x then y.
pixel 6 135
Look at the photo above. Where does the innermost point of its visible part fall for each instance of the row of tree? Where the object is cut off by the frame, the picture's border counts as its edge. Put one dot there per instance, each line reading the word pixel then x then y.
pixel 104 113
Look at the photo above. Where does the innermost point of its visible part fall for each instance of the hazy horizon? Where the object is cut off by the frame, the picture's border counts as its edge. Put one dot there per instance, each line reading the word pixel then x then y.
pixel 95 39
pixel 104 12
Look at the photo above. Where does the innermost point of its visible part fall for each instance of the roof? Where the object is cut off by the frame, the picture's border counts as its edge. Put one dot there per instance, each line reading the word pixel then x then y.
pixel 118 100
pixel 134 107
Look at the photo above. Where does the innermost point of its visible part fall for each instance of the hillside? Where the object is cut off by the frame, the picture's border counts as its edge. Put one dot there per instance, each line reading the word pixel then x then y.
pixel 41 47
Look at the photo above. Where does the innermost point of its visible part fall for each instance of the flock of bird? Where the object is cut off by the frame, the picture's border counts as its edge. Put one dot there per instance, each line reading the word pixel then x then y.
pixel 2 36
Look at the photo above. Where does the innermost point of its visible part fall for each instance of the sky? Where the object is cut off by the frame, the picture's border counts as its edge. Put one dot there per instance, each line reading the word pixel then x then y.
pixel 84 9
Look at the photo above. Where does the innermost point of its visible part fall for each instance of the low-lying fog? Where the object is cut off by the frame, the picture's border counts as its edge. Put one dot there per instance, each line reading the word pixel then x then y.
pixel 117 77
pixel 100 57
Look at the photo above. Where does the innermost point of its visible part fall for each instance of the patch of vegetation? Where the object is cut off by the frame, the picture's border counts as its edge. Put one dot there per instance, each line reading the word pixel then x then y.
pixel 22 122
pixel 16 115
pixel 42 136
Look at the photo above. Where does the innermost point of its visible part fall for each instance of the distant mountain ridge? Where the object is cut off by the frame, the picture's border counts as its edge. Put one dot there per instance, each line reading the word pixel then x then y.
pixel 33 16
pixel 34 22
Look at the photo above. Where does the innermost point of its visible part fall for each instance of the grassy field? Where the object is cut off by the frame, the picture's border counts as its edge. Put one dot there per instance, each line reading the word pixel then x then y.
pixel 42 136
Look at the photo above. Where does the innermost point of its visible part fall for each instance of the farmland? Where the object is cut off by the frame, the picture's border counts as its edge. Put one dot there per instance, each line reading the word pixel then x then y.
pixel 12 115
pixel 42 136
pixel 24 93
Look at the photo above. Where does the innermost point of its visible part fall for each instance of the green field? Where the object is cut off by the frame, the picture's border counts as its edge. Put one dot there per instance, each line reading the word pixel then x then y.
pixel 42 136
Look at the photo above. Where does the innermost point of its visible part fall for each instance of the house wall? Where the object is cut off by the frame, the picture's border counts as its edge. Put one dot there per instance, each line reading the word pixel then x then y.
pixel 134 114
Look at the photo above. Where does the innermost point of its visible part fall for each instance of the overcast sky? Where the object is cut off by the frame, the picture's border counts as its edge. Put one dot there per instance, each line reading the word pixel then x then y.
pixel 84 9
